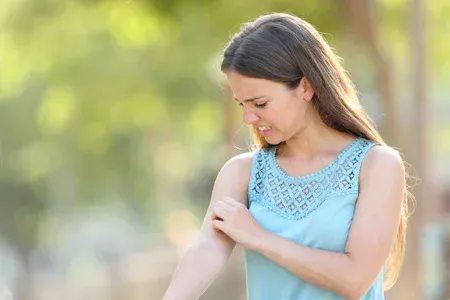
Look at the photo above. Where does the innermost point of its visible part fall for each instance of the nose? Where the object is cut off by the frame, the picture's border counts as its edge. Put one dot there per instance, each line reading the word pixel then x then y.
pixel 249 117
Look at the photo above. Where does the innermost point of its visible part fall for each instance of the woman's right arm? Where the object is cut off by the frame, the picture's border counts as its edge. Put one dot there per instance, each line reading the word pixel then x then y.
pixel 208 255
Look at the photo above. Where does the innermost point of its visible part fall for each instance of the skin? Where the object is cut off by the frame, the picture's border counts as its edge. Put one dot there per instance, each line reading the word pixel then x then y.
pixel 210 251
pixel 307 145
pixel 290 113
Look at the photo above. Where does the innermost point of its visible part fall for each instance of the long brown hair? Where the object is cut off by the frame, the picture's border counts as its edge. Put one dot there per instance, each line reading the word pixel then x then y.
pixel 284 48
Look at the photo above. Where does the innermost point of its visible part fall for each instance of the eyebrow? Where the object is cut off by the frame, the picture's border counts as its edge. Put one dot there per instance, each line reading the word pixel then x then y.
pixel 250 99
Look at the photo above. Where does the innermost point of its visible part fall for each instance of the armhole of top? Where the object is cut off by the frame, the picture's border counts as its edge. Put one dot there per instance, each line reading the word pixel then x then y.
pixel 254 170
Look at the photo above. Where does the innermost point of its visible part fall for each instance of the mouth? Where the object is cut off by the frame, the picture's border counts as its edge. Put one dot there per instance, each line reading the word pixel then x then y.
pixel 264 130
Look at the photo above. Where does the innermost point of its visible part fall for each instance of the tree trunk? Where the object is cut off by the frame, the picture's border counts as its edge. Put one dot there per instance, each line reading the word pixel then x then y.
pixel 361 18
pixel 410 284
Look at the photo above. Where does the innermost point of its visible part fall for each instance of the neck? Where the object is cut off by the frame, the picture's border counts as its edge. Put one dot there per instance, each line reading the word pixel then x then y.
pixel 315 139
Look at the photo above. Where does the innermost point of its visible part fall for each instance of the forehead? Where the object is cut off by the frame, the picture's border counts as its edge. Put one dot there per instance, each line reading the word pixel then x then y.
pixel 245 87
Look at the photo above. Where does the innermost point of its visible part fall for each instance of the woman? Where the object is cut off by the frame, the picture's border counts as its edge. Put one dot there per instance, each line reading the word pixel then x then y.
pixel 320 206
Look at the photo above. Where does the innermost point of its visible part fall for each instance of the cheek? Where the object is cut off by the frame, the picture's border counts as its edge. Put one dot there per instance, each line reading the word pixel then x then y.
pixel 294 117
pixel 293 109
pixel 284 116
pixel 298 110
pixel 280 119
pixel 274 117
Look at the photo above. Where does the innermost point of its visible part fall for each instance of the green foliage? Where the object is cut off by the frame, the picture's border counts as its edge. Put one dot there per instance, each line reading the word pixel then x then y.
pixel 120 99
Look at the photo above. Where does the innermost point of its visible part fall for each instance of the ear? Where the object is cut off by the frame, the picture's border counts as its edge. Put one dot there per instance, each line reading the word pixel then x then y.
pixel 306 91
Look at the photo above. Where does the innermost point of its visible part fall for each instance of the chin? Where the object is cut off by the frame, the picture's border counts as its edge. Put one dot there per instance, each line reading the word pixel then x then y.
pixel 273 140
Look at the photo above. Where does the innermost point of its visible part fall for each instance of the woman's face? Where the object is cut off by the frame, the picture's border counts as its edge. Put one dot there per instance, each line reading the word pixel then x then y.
pixel 275 111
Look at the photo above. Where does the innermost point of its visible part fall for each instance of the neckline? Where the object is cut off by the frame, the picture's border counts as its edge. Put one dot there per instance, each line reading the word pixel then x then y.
pixel 322 170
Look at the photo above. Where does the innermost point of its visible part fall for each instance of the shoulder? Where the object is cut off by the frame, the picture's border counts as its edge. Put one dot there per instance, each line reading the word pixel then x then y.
pixel 239 163
pixel 233 178
pixel 382 162
pixel 237 168
pixel 382 157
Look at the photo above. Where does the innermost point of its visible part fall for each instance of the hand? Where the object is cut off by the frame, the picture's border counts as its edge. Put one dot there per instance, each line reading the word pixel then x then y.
pixel 233 218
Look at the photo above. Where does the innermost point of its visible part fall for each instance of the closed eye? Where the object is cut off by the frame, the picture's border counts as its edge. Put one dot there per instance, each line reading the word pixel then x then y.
pixel 260 105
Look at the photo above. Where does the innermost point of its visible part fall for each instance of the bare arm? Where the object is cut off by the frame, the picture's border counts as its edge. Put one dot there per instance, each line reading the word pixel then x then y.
pixel 371 237
pixel 208 255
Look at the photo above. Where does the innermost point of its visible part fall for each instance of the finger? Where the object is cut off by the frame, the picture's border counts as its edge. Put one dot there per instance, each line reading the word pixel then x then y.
pixel 225 205
pixel 215 216
pixel 218 212
pixel 230 201
pixel 235 204
pixel 218 225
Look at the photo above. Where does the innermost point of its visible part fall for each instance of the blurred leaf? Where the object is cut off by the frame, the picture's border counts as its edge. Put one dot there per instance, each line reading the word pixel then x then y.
pixel 133 25
pixel 34 161
pixel 56 110
pixel 205 123
pixel 173 161
pixel 94 138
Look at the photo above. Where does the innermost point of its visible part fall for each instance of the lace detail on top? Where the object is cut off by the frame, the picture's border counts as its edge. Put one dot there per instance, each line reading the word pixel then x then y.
pixel 294 197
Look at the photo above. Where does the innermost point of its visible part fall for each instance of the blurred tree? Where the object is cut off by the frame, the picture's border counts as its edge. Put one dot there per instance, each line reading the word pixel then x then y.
pixel 106 101
pixel 362 19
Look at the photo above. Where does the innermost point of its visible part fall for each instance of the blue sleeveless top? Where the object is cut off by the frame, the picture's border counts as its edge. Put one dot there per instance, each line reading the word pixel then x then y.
pixel 314 210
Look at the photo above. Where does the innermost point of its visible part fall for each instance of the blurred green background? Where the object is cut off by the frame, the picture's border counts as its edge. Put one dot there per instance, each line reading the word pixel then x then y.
pixel 115 120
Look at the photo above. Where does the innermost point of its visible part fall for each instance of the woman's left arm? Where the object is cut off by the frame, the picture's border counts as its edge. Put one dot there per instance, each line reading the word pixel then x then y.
pixel 372 234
